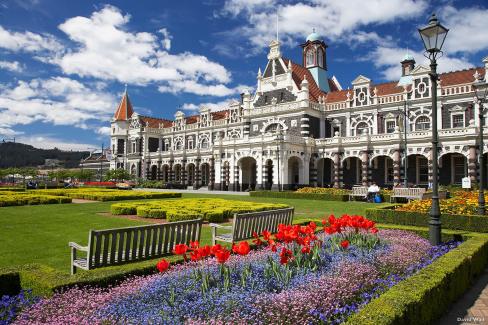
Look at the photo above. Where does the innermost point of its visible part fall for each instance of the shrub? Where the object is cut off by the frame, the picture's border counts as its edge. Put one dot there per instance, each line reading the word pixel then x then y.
pixel 27 198
pixel 388 214
pixel 213 210
pixel 297 195
pixel 101 194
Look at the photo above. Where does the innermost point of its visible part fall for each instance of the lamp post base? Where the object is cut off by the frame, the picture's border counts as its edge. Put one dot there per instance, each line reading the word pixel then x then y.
pixel 435 231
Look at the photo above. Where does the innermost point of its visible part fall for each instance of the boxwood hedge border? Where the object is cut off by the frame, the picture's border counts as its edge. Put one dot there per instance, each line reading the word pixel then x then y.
pixel 425 296
pixel 387 214
pixel 295 195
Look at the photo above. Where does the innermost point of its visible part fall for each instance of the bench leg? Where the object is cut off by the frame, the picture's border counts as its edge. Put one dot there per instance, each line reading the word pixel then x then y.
pixel 214 233
pixel 73 258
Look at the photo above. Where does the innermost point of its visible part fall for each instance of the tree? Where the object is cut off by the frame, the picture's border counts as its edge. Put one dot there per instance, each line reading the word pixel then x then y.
pixel 83 174
pixel 118 175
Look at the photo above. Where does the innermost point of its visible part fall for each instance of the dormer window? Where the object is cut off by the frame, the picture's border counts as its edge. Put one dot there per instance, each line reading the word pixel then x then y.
pixel 310 57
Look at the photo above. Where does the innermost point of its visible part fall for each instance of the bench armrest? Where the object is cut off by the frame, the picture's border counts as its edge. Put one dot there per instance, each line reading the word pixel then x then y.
pixel 215 225
pixel 78 247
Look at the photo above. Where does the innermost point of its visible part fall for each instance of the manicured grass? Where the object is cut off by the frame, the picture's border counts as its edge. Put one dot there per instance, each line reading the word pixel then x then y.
pixel 40 234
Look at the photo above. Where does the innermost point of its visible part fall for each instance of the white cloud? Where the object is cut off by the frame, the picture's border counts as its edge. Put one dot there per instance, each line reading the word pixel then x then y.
pixel 388 59
pixel 103 130
pixel 214 106
pixel 8 132
pixel 467 29
pixel 108 50
pixel 58 100
pixel 28 41
pixel 49 142
pixel 333 19
pixel 13 66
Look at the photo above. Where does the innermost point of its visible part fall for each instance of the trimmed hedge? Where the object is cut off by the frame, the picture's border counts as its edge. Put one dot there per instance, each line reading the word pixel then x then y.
pixel 306 196
pixel 9 283
pixel 16 199
pixel 108 194
pixel 388 214
pixel 212 210
pixel 427 295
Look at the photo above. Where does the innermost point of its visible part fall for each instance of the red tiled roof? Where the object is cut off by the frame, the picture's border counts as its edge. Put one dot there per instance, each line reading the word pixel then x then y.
pixel 154 123
pixel 460 77
pixel 191 119
pixel 219 115
pixel 337 96
pixel 125 110
pixel 298 72
pixel 387 88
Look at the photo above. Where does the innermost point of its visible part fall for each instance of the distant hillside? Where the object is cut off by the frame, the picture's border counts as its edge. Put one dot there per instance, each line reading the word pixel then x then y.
pixel 23 155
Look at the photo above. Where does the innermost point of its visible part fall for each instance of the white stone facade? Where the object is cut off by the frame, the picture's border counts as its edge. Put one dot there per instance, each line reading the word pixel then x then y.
pixel 330 137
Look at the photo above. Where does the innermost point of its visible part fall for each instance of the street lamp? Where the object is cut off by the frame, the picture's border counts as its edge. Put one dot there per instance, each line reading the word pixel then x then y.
pixel 481 92
pixel 279 139
pixel 433 36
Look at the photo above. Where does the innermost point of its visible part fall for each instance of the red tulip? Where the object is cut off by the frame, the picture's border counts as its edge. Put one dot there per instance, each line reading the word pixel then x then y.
pixel 180 249
pixel 345 244
pixel 162 265
pixel 194 244
pixel 215 248
pixel 242 249
pixel 374 230
pixel 306 249
pixel 266 235
pixel 222 255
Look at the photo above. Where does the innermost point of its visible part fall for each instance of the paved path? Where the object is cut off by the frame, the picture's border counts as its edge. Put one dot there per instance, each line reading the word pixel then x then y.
pixel 193 191
pixel 472 308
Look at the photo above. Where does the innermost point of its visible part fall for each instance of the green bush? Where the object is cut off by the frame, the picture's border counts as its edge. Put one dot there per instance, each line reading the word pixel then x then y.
pixel 213 210
pixel 306 196
pixel 26 198
pixel 103 194
pixel 387 214
pixel 427 295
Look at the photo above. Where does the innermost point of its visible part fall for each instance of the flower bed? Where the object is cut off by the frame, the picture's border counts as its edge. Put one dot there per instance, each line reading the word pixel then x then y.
pixel 213 210
pixel 21 198
pixel 299 277
pixel 462 203
pixel 315 193
pixel 107 194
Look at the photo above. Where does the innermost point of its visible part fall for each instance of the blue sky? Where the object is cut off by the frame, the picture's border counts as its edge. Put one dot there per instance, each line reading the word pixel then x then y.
pixel 64 64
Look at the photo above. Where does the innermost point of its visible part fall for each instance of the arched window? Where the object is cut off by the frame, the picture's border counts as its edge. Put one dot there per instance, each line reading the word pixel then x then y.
pixel 178 145
pixel 362 128
pixel 422 123
pixel 320 58
pixel 310 58
pixel 273 128
pixel 204 143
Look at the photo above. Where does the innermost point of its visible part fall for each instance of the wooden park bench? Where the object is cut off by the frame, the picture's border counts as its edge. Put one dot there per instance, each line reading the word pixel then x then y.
pixel 245 224
pixel 124 245
pixel 409 193
pixel 358 191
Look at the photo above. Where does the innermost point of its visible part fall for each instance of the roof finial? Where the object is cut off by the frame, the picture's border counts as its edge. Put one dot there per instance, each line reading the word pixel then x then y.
pixel 277 26
pixel 313 29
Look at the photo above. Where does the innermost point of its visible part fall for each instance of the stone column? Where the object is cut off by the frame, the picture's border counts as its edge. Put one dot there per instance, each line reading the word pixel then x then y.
pixel 305 126
pixel 183 172
pixel 211 183
pixel 397 167
pixel 337 170
pixel 473 165
pixel 146 170
pixel 235 185
pixel 198 174
pixel 313 170
pixel 159 176
pixel 171 171
pixel 264 173
pixel 365 170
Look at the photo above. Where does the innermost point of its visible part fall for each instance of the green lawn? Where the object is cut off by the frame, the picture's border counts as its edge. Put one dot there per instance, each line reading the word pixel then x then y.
pixel 40 234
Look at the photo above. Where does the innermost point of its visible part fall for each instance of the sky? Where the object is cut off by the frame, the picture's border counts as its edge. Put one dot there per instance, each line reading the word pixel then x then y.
pixel 64 64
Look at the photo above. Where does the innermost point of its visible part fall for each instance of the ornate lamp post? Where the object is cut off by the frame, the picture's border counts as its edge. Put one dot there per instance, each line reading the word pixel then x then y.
pixel 279 139
pixel 481 92
pixel 433 36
